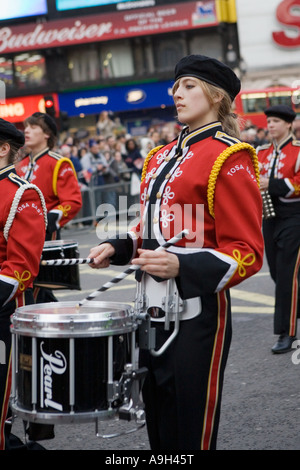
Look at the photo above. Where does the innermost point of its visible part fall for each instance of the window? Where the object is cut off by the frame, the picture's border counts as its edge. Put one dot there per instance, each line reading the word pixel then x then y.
pixel 280 97
pixel 206 44
pixel 106 61
pixel 30 70
pixel 84 64
pixel 6 71
pixel 116 60
pixel 167 52
pixel 254 102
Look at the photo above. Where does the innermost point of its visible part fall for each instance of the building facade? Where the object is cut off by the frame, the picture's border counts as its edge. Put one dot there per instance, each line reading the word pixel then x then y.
pixel 115 56
pixel 119 55
pixel 269 38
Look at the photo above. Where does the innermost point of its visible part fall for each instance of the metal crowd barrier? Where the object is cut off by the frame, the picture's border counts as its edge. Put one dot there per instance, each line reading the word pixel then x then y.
pixel 95 198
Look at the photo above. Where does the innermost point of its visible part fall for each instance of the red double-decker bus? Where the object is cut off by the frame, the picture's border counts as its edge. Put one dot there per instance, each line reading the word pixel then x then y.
pixel 250 104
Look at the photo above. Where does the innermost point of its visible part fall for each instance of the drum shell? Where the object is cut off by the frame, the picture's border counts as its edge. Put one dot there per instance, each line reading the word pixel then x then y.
pixel 59 277
pixel 55 382
pixel 61 362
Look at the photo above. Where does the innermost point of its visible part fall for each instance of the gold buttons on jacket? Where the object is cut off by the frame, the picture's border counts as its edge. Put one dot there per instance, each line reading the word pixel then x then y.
pixel 158 195
pixel 168 175
pixel 155 220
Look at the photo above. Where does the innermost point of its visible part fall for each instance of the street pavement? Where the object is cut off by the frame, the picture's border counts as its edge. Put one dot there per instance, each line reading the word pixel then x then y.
pixel 261 395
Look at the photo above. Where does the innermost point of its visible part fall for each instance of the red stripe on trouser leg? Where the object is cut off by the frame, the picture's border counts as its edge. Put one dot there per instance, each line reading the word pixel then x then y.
pixel 294 300
pixel 214 376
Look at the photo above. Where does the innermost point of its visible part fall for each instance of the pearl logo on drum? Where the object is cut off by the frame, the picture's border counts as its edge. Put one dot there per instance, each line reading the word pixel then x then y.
pixel 50 364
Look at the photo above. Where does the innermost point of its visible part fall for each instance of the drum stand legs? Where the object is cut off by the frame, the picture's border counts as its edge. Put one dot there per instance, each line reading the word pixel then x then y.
pixel 127 389
pixel 132 409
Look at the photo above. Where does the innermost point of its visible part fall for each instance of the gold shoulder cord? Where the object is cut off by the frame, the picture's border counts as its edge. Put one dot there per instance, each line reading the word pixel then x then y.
pixel 56 170
pixel 147 160
pixel 218 165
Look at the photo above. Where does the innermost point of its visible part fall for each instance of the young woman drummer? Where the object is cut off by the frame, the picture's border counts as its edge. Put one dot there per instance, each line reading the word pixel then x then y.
pixel 22 234
pixel 205 181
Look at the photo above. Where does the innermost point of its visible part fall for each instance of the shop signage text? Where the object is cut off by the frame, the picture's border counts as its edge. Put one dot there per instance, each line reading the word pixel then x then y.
pixel 175 17
pixel 18 109
pixel 287 13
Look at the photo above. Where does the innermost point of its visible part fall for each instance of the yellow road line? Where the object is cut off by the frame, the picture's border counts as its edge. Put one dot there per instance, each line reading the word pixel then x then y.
pixel 252 297
pixel 247 309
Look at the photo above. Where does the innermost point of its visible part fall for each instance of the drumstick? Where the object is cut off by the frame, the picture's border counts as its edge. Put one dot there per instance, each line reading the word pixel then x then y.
pixel 131 269
pixel 65 262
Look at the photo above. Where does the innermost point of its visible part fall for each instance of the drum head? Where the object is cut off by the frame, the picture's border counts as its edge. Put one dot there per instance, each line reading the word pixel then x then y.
pixel 68 319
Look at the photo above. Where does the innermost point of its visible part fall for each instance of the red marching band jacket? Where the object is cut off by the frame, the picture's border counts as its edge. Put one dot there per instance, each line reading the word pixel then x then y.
pixel 284 183
pixel 23 222
pixel 56 177
pixel 208 184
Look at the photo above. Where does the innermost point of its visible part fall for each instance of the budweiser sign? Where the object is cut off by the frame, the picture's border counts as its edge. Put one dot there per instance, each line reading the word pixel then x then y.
pixel 180 16
pixel 41 36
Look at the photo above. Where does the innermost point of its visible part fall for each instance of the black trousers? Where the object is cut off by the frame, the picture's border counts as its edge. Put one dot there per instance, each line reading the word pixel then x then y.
pixel 182 390
pixel 282 248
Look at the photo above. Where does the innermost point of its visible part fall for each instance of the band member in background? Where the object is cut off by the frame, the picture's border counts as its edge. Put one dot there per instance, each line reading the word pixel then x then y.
pixel 206 169
pixel 280 176
pixel 23 219
pixel 54 175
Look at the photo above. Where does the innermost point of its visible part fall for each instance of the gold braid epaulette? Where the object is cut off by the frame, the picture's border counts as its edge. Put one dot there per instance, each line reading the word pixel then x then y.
pixel 217 167
pixel 147 159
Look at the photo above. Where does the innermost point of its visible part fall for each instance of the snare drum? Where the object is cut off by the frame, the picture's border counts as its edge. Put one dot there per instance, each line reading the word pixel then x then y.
pixel 67 360
pixel 59 277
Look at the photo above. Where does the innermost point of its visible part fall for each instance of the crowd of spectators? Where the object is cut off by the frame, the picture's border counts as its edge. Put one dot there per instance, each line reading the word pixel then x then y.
pixel 257 136
pixel 111 155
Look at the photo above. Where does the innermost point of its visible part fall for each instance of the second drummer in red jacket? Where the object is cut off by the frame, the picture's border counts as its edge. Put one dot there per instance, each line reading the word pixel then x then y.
pixel 54 175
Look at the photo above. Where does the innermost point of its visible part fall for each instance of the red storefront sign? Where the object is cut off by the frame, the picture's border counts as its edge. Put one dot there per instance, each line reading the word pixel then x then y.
pixel 175 17
pixel 18 109
pixel 288 15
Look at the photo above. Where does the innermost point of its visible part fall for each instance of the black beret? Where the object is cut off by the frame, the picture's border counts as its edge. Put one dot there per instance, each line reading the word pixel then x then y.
pixel 8 131
pixel 48 120
pixel 282 112
pixel 209 70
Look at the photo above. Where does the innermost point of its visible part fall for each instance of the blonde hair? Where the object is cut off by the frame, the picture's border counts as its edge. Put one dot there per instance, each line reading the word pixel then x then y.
pixel 228 119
